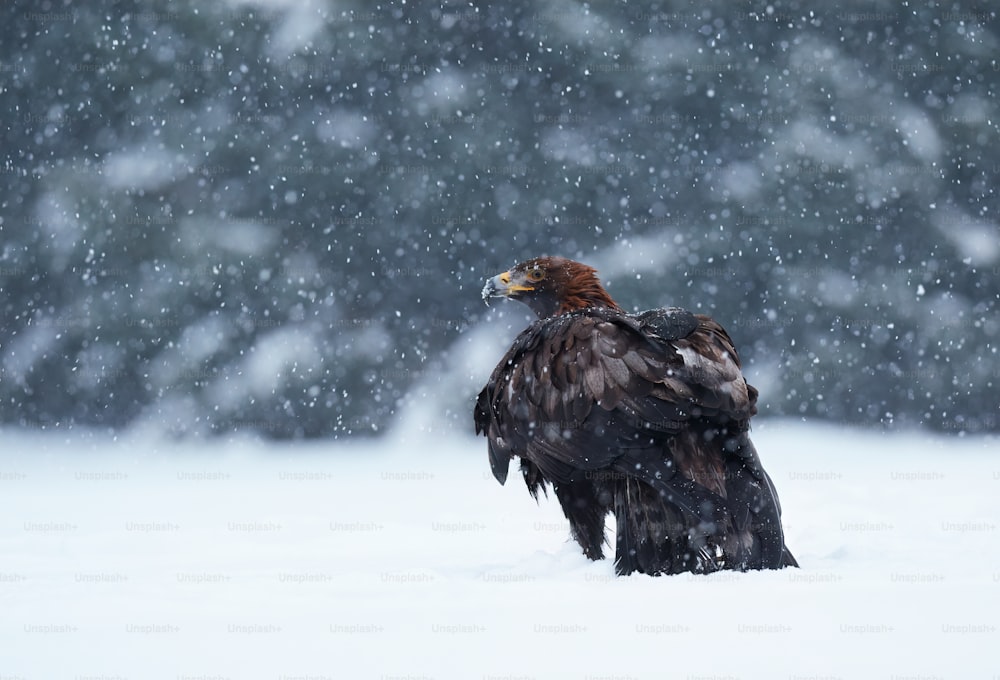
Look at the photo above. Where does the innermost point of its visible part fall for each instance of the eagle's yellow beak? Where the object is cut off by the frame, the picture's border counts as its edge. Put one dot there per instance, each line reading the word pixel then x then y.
pixel 502 285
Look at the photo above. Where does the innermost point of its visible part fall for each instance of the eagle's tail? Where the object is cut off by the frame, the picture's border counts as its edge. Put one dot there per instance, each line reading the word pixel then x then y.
pixel 668 524
pixel 655 537
pixel 584 506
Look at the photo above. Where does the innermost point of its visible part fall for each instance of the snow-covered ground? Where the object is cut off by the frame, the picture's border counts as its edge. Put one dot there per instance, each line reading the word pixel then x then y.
pixel 402 558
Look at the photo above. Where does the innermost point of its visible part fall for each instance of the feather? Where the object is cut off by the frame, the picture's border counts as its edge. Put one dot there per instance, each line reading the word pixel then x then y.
pixel 593 380
pixel 616 370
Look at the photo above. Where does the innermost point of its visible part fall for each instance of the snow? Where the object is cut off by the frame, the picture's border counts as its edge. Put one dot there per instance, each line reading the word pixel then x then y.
pixel 27 350
pixel 281 351
pixel 140 557
pixel 140 168
pixel 920 135
pixel 974 239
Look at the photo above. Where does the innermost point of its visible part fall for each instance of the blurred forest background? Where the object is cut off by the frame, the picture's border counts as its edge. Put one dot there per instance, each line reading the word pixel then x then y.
pixel 277 216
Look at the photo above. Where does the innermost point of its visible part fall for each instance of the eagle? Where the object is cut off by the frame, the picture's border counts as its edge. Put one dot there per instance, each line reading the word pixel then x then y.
pixel 645 416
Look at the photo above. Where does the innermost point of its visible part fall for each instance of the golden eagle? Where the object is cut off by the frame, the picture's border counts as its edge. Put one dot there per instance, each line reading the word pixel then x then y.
pixel 642 415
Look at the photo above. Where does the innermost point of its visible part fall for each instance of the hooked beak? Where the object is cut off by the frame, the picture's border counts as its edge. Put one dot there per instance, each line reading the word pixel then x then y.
pixel 501 286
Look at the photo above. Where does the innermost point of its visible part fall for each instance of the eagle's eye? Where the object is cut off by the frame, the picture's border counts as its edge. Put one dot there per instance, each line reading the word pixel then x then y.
pixel 535 274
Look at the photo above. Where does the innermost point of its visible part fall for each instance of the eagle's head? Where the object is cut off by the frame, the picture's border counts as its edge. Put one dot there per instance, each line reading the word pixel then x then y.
pixel 550 286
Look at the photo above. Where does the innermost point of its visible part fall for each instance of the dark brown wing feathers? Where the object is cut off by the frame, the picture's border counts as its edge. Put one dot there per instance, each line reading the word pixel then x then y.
pixel 559 369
